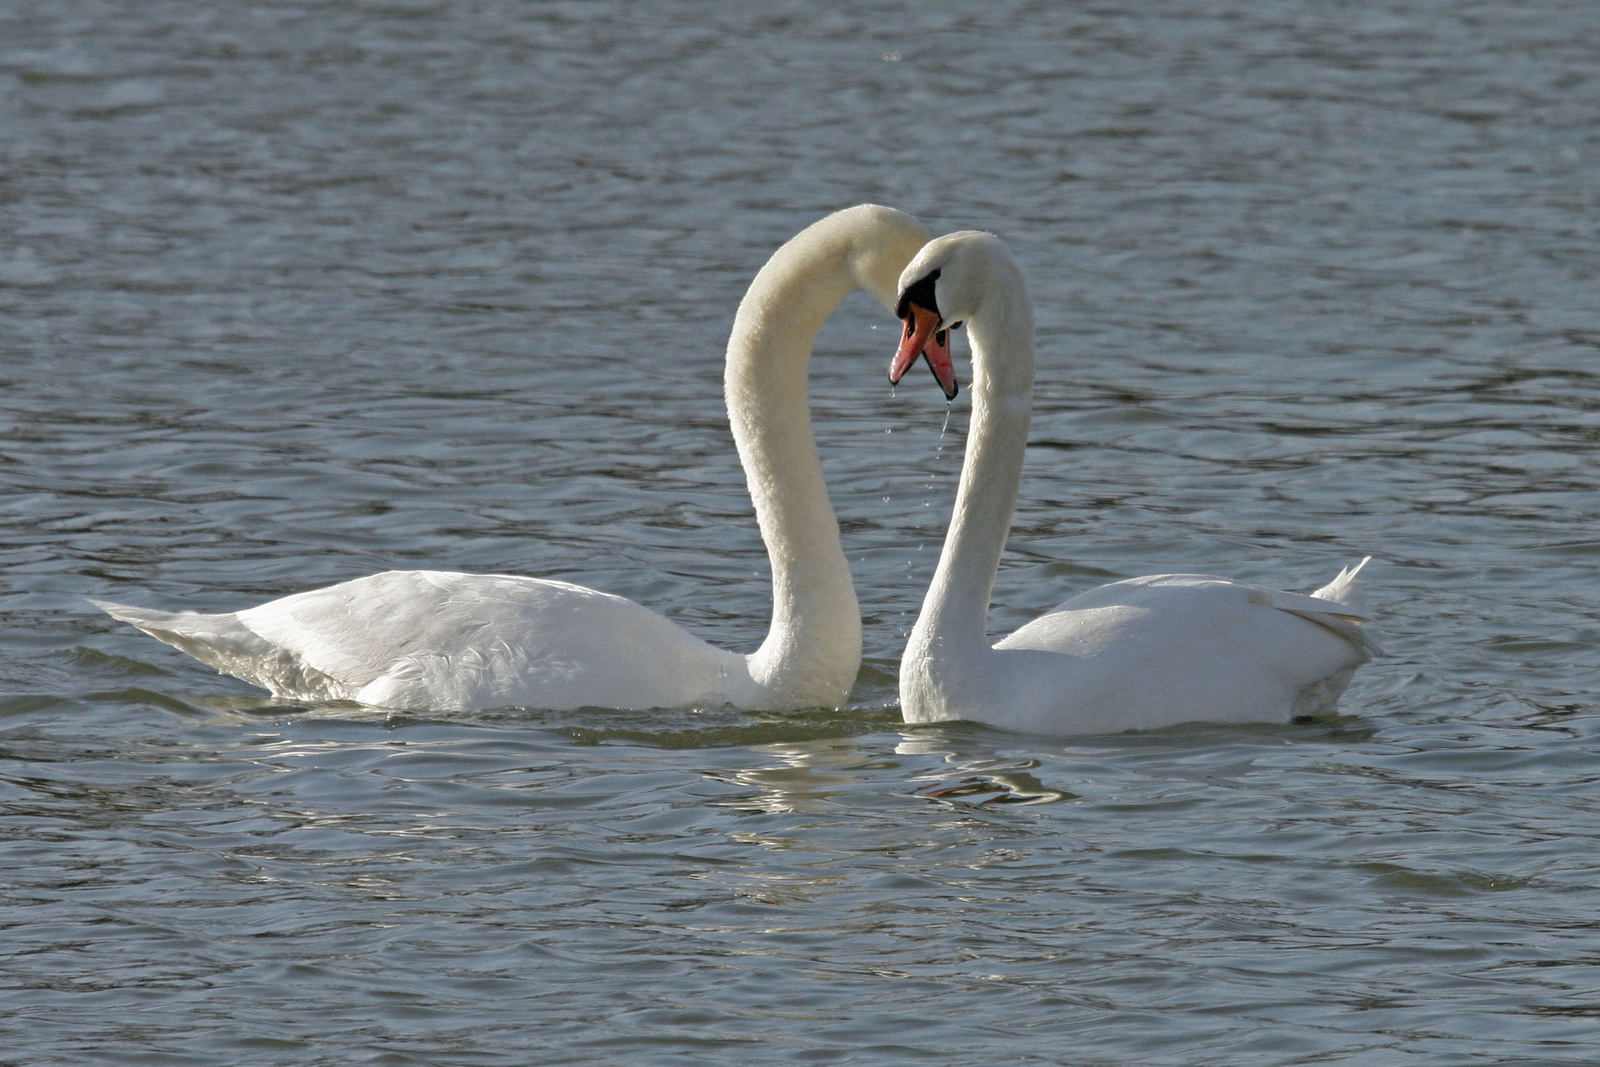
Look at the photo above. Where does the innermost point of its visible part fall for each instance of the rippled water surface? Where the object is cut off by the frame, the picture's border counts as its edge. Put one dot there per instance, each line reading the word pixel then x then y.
pixel 293 292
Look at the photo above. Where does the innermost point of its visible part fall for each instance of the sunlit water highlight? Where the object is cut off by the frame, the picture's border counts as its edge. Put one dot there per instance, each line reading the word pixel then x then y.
pixel 296 292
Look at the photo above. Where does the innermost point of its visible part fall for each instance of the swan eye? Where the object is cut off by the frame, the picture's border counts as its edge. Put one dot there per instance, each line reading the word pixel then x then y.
pixel 920 293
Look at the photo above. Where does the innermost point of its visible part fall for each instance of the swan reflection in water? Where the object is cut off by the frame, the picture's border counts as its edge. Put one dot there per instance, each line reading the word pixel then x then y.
pixel 807 777
pixel 975 779
pixel 801 777
pixel 816 780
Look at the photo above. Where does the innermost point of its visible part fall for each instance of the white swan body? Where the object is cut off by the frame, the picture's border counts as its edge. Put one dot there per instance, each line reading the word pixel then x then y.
pixel 1138 654
pixel 437 640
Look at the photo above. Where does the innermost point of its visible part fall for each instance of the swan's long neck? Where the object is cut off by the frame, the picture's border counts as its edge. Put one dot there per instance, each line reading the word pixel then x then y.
pixel 816 624
pixel 952 631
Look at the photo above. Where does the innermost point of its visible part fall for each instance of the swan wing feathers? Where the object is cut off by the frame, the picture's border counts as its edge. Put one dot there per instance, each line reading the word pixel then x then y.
pixel 444 640
pixel 1172 648
pixel 1200 593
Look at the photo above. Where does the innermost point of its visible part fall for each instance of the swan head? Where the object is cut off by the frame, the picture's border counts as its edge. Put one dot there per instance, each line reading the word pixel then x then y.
pixel 949 281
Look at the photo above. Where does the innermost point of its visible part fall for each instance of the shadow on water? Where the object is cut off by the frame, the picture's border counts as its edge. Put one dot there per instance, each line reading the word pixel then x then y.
pixel 872 708
pixel 667 728
pixel 724 727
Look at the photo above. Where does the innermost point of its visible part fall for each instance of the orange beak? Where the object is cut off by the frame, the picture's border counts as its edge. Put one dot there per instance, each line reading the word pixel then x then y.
pixel 922 337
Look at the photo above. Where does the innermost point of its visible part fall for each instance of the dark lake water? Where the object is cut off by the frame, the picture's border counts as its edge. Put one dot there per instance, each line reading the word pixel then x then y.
pixel 295 292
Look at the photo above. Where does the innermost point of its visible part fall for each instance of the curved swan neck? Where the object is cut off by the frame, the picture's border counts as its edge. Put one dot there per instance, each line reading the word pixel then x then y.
pixel 955 613
pixel 816 624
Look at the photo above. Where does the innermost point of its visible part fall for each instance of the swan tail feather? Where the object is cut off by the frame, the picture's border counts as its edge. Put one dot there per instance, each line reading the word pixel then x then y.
pixel 1347 588
pixel 231 647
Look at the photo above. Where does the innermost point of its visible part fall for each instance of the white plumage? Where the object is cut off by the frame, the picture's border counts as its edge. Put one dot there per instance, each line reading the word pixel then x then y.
pixel 442 640
pixel 1138 654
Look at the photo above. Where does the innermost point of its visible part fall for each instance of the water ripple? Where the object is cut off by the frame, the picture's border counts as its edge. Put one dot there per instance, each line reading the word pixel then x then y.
pixel 295 292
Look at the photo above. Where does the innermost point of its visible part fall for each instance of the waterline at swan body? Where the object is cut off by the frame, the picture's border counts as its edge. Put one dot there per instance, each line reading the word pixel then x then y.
pixel 1139 654
pixel 438 640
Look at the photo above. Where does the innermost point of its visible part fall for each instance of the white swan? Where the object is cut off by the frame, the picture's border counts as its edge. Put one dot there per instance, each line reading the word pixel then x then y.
pixel 1136 654
pixel 447 641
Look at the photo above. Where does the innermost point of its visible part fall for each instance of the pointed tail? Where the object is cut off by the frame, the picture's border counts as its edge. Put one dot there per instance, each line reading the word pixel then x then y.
pixel 223 642
pixel 1347 589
